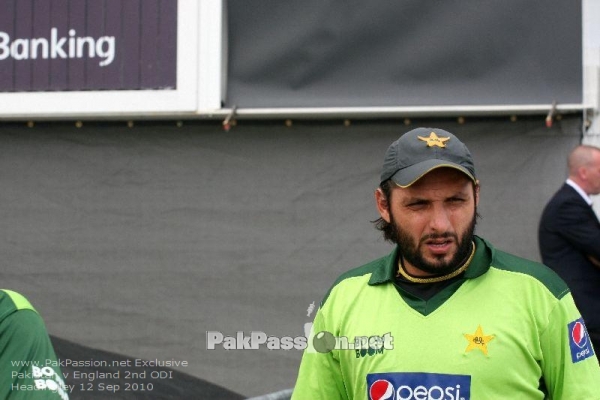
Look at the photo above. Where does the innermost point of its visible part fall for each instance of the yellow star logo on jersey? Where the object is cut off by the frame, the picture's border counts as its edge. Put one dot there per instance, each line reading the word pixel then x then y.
pixel 434 140
pixel 478 341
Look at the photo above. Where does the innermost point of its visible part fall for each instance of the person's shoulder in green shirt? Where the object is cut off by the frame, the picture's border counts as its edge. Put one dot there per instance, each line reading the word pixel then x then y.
pixel 30 367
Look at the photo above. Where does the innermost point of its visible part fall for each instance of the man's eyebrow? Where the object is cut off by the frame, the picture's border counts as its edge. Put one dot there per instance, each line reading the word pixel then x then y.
pixel 461 193
pixel 415 199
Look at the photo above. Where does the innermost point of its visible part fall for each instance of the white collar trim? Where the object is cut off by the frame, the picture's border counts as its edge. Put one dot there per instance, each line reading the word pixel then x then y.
pixel 579 190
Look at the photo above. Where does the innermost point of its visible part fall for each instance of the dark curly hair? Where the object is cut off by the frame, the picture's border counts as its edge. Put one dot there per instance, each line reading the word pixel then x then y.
pixel 388 230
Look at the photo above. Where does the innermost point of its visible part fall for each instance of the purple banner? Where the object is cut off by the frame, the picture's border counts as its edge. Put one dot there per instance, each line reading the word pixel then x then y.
pixel 64 45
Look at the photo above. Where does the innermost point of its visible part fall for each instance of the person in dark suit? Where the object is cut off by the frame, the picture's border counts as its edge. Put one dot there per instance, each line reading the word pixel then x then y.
pixel 569 235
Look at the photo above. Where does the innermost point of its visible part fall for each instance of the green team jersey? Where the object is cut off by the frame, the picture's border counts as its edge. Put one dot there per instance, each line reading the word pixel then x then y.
pixel 508 330
pixel 28 365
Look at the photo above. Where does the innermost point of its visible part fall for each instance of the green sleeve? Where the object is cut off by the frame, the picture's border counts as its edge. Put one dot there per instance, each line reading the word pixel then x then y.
pixel 564 378
pixel 320 375
pixel 29 365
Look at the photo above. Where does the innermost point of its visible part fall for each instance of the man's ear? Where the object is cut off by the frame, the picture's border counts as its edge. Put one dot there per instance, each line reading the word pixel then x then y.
pixel 382 205
pixel 583 173
pixel 476 192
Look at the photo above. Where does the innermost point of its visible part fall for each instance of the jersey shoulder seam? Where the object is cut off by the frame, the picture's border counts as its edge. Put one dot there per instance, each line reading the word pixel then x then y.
pixel 358 272
pixel 12 302
pixel 544 275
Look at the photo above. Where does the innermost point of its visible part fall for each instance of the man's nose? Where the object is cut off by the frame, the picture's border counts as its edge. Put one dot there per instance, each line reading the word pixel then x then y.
pixel 440 220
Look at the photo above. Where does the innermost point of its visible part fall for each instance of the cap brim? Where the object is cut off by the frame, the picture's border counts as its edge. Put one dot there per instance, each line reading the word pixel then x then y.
pixel 407 176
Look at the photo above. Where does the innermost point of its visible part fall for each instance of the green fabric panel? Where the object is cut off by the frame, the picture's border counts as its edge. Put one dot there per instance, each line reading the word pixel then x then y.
pixel 543 274
pixel 377 269
pixel 21 303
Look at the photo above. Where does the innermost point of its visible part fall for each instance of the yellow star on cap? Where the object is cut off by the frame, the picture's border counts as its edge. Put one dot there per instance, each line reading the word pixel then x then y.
pixel 434 140
pixel 478 341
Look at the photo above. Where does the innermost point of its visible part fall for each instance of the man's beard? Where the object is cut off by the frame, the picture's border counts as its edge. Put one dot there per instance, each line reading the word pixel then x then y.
pixel 410 251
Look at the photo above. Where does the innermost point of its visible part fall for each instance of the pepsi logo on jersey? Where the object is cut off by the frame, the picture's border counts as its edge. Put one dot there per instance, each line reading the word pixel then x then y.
pixel 418 386
pixel 579 341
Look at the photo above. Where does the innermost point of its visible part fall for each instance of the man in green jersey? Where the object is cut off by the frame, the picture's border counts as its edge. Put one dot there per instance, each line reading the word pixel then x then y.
pixel 28 365
pixel 444 316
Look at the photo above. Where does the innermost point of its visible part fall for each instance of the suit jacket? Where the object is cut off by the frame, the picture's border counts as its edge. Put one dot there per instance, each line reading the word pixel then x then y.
pixel 569 231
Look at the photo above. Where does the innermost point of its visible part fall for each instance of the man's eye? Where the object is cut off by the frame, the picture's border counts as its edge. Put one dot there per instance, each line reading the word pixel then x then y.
pixel 456 200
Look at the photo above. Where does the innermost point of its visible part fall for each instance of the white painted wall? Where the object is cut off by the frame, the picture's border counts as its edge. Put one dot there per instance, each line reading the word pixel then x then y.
pixel 591 65
pixel 200 74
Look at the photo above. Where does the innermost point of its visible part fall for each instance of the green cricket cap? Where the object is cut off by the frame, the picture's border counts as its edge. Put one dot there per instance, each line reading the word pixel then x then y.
pixel 422 150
